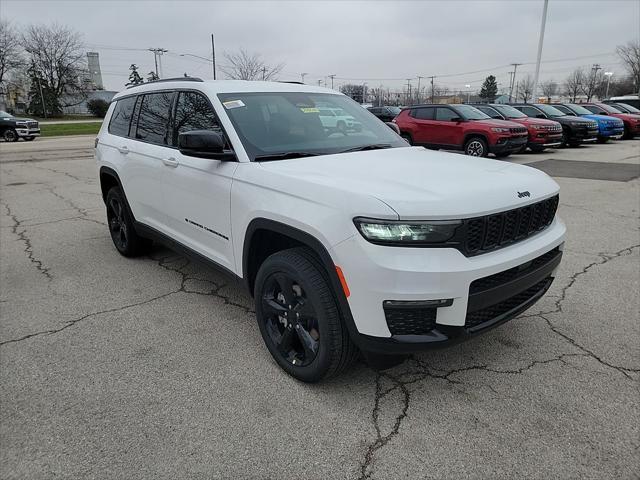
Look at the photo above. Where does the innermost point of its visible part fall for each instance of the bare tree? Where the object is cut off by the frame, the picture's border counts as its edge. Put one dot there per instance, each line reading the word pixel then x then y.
pixel 630 56
pixel 56 55
pixel 525 88
pixel 249 66
pixel 573 84
pixel 10 49
pixel 549 88
pixel 592 83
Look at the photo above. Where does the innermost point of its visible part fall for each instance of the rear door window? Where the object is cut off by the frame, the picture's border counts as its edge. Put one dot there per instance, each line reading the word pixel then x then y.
pixel 423 113
pixel 153 119
pixel 121 118
pixel 529 111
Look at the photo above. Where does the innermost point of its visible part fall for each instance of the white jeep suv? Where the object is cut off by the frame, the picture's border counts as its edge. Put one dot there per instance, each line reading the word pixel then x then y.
pixel 349 243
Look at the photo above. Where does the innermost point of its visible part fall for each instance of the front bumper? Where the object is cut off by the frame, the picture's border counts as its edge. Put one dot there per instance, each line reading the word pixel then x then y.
pixel 28 132
pixel 614 133
pixel 543 139
pixel 376 274
pixel 584 135
pixel 508 144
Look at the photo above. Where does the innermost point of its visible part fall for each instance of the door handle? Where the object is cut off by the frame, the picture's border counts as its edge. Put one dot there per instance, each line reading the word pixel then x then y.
pixel 123 150
pixel 170 162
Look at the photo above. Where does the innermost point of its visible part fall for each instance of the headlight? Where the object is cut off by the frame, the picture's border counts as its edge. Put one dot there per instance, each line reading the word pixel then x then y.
pixel 390 232
pixel 500 130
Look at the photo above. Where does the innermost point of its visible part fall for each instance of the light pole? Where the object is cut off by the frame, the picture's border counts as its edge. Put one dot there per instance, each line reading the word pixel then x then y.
pixel 540 42
pixel 468 93
pixel 608 75
pixel 332 77
pixel 302 75
pixel 364 86
pixel 201 58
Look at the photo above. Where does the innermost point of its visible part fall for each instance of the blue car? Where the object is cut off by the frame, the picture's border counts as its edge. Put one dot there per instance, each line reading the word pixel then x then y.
pixel 608 127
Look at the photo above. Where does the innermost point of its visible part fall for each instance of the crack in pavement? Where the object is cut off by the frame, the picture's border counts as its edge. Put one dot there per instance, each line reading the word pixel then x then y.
pixel 28 247
pixel 402 381
pixel 83 212
pixel 62 172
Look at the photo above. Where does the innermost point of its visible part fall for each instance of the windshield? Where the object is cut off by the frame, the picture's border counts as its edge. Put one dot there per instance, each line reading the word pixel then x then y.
pixel 470 113
pixel 509 112
pixel 394 110
pixel 609 108
pixel 551 111
pixel 579 110
pixel 270 124
pixel 5 114
pixel 626 106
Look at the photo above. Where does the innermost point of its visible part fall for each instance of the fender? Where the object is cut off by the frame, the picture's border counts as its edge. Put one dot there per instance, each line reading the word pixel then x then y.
pixel 322 254
pixel 475 134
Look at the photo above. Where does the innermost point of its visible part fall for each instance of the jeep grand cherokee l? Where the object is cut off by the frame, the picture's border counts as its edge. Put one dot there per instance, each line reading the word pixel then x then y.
pixel 608 127
pixel 542 133
pixel 575 130
pixel 631 121
pixel 460 127
pixel 348 243
pixel 13 128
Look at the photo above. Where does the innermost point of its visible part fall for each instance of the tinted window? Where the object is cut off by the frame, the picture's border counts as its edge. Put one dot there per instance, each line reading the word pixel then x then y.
pixel 445 114
pixel 194 112
pixel 593 109
pixel 423 113
pixel 489 111
pixel 529 111
pixel 564 109
pixel 121 118
pixel 153 120
pixel 509 112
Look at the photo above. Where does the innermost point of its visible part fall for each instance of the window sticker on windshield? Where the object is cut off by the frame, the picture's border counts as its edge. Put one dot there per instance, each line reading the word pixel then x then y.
pixel 310 110
pixel 233 104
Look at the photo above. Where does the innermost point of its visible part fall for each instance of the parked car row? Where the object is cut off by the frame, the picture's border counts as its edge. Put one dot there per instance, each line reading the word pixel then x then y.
pixel 503 129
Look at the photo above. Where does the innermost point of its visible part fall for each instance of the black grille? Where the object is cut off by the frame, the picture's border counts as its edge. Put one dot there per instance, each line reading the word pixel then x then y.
pixel 410 321
pixel 486 283
pixel 494 231
pixel 476 319
pixel 518 130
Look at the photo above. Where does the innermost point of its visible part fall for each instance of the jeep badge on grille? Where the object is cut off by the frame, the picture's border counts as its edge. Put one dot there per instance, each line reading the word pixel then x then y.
pixel 524 194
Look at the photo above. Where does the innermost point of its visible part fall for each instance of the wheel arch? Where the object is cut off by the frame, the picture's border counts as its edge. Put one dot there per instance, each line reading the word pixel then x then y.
pixel 471 135
pixel 255 232
pixel 109 179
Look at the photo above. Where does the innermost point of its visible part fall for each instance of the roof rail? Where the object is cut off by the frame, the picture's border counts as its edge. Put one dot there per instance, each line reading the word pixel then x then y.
pixel 290 81
pixel 175 79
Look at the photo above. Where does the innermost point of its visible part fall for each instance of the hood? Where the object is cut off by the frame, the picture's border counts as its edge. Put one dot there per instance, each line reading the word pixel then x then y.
pixel 601 118
pixel 18 119
pixel 534 121
pixel 626 116
pixel 492 122
pixel 418 183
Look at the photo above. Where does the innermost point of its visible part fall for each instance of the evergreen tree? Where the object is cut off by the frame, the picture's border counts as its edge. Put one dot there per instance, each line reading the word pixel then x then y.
pixel 134 76
pixel 489 89
pixel 41 92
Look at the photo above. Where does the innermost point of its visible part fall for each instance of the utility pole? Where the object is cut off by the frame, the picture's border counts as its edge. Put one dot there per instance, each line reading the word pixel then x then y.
pixel 157 52
pixel 213 56
pixel 540 43
pixel 510 84
pixel 319 82
pixel 331 77
pixel 302 75
pixel 364 95
pixel 513 79
pixel 44 108
pixel 418 94
pixel 264 73
pixel 608 75
pixel 433 89
pixel 408 91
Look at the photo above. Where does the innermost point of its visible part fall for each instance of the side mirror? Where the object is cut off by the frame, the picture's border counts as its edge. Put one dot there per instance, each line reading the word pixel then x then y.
pixel 393 127
pixel 204 144
pixel 457 119
pixel 541 115
pixel 497 117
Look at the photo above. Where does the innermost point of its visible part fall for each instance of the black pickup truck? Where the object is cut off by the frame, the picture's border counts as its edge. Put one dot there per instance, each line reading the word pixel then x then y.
pixel 13 128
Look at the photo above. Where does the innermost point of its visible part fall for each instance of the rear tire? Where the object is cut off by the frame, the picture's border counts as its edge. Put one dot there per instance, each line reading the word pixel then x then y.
pixel 476 147
pixel 121 226
pixel 627 133
pixel 299 318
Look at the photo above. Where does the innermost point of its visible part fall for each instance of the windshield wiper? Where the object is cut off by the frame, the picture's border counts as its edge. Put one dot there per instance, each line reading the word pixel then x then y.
pixel 374 146
pixel 283 156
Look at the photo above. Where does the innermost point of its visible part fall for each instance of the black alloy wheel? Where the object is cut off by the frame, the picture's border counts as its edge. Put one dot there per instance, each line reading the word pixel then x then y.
pixel 291 321
pixel 121 226
pixel 117 223
pixel 10 135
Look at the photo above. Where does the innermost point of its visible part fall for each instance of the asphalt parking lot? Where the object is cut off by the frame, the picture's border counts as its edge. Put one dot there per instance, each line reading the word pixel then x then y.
pixel 154 367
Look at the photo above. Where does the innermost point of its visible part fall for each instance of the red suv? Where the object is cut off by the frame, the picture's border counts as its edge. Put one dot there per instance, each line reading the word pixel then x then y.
pixel 543 133
pixel 631 121
pixel 460 127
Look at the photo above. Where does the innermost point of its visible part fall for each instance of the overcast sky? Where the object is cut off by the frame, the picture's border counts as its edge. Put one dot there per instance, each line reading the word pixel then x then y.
pixel 378 42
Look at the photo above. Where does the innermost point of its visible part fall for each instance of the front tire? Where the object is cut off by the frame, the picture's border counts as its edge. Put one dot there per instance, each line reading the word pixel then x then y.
pixel 28 139
pixel 298 317
pixel 603 139
pixel 10 135
pixel 537 149
pixel 476 147
pixel 502 155
pixel 121 227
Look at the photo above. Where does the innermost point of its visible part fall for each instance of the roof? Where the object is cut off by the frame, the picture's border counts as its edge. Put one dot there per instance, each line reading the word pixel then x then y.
pixel 214 87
